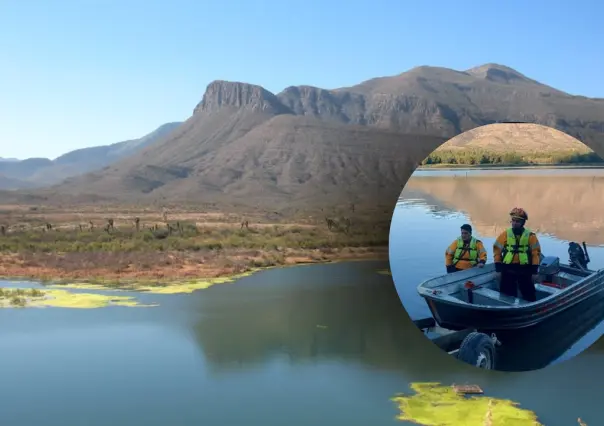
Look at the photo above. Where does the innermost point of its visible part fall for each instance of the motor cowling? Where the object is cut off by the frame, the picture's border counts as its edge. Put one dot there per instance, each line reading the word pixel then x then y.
pixel 576 255
pixel 550 265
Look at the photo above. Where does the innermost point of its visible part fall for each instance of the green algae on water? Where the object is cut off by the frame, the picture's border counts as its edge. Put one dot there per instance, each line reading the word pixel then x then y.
pixel 436 405
pixel 84 286
pixel 34 298
pixel 191 286
pixel 186 287
pixel 157 288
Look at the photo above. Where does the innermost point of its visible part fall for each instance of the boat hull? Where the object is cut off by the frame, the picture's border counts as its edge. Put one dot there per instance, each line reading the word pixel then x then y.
pixel 456 316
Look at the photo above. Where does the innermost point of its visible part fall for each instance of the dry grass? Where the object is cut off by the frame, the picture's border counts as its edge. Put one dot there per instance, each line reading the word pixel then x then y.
pixel 91 244
pixel 518 138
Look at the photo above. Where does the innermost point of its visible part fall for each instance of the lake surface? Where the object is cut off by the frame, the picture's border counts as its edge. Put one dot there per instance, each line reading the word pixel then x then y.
pixel 511 171
pixel 320 344
pixel 563 205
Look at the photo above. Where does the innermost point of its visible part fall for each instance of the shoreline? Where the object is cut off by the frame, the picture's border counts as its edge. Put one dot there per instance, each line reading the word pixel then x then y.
pixel 169 277
pixel 165 246
pixel 509 167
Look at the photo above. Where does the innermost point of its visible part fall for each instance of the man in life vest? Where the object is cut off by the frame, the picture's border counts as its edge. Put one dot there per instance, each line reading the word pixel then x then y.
pixel 517 254
pixel 466 252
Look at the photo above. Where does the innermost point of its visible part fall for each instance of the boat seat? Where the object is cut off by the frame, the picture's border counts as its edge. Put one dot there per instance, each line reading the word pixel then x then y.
pixel 547 289
pixel 495 295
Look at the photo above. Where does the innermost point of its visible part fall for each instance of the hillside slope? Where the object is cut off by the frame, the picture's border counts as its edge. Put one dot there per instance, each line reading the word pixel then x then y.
pixel 34 172
pixel 446 102
pixel 515 137
pixel 244 144
pixel 11 184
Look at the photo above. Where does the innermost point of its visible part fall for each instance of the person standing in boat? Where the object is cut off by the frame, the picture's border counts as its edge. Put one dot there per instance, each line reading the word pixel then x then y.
pixel 465 252
pixel 517 254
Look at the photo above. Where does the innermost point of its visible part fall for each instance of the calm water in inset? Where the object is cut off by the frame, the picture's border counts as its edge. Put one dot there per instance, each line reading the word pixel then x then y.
pixel 563 206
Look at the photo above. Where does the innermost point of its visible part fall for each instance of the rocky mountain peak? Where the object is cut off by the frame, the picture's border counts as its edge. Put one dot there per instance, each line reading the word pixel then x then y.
pixel 220 94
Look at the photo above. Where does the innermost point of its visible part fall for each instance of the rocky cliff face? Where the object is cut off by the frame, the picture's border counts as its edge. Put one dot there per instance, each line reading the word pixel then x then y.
pixel 220 94
pixel 443 102
pixel 245 144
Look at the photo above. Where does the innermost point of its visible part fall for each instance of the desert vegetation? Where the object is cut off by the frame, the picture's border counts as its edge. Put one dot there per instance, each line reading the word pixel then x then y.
pixel 18 297
pixel 485 157
pixel 96 244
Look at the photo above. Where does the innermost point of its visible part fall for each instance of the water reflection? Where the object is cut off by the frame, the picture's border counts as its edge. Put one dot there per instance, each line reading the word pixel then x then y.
pixel 566 206
pixel 360 321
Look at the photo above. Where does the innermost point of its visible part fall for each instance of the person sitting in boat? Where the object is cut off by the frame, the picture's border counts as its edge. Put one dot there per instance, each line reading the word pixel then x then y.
pixel 516 253
pixel 466 252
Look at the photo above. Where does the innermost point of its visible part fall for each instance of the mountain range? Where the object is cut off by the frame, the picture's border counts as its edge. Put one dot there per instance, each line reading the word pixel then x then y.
pixel 305 144
pixel 36 172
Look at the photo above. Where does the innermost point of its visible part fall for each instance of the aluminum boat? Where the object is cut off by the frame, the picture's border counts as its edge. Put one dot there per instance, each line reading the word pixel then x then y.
pixel 471 298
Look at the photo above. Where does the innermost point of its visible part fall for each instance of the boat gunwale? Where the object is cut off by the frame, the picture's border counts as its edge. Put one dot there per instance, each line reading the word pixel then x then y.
pixel 527 322
pixel 426 293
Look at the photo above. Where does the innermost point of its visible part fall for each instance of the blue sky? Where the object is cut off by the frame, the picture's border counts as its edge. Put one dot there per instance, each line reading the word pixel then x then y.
pixel 89 72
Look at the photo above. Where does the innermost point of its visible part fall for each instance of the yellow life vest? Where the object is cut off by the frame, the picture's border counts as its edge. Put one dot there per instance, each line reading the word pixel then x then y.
pixel 460 249
pixel 514 246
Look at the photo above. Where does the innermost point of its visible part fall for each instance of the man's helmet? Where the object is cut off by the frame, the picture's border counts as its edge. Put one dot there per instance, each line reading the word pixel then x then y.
pixel 518 213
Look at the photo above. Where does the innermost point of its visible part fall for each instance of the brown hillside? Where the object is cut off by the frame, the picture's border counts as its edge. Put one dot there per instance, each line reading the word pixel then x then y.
pixel 284 159
pixel 518 138
pixel 447 102
pixel 244 144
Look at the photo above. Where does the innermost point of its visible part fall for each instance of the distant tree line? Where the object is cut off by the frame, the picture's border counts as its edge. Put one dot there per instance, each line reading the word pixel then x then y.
pixel 485 157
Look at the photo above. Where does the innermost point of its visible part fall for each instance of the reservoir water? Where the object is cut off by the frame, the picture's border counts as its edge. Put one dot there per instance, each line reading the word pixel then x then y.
pixel 318 344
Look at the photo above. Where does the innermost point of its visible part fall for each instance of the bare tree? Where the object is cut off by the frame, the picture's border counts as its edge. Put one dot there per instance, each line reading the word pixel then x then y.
pixel 342 224
pixel 330 223
pixel 345 224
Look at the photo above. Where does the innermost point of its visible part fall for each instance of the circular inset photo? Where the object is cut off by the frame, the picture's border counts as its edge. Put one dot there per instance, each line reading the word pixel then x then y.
pixel 496 247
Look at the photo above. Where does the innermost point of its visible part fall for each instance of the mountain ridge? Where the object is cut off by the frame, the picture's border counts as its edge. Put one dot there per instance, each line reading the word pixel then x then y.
pixel 305 143
pixel 37 172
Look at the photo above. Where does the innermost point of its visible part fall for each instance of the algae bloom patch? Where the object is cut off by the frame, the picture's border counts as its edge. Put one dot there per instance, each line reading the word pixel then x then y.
pixel 30 298
pixel 157 288
pixel 436 405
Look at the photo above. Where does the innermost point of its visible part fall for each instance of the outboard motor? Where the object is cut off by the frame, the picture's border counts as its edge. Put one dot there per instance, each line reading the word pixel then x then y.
pixel 578 257
pixel 549 266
